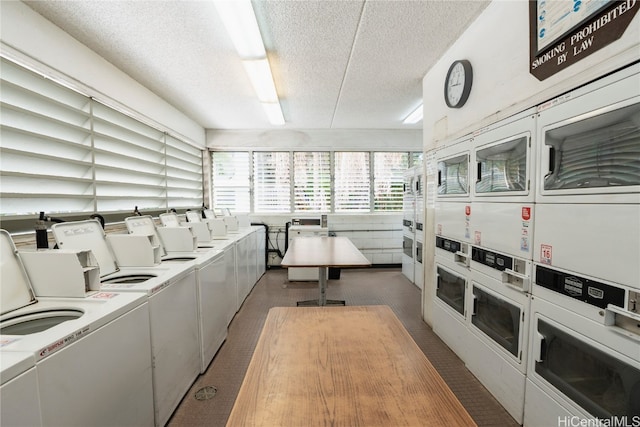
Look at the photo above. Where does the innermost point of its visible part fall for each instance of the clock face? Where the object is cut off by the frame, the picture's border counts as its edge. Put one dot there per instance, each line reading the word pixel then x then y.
pixel 458 84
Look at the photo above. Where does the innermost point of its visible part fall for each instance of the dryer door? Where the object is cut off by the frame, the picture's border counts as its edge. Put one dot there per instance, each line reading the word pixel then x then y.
pixel 595 377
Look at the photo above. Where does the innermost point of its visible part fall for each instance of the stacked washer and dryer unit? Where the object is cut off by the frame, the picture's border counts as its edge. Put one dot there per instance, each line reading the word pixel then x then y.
pixel 585 313
pixel 408 224
pixel 418 275
pixel 412 225
pixel 453 246
pixel 537 249
pixel 502 218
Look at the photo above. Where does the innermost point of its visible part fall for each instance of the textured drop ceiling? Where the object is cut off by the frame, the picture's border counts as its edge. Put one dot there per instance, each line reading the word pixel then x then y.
pixel 336 64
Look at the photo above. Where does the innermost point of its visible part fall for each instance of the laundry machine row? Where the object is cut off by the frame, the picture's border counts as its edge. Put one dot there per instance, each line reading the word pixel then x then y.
pixel 181 315
pixel 554 190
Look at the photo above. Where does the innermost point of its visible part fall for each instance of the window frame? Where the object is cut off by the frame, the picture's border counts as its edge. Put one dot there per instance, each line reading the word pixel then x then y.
pixel 414 158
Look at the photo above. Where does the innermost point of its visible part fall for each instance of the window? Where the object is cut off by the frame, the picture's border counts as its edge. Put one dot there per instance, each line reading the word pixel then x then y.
pixel 272 182
pixel 63 152
pixel 312 181
pixel 309 181
pixel 231 181
pixel 352 182
pixel 388 180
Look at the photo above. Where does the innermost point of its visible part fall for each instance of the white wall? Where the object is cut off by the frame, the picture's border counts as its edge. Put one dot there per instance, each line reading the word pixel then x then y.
pixel 379 236
pixel 320 139
pixel 27 36
pixel 497 44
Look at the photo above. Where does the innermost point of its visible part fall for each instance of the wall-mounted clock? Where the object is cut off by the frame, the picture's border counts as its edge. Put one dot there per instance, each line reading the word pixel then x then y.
pixel 457 85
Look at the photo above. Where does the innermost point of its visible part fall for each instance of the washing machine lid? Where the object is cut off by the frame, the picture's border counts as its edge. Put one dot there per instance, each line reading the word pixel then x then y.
pixel 86 235
pixel 15 287
pixel 169 219
pixel 142 224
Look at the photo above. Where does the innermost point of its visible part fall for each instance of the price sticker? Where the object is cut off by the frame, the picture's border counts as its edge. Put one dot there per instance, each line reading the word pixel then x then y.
pixel 545 254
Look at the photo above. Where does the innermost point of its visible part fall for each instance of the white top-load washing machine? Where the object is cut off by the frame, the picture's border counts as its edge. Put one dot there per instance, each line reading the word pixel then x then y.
pixel 171 293
pixel 216 291
pixel 92 354
pixel 19 396
pixel 227 244
pixel 246 262
pixel 206 235
pixel 306 227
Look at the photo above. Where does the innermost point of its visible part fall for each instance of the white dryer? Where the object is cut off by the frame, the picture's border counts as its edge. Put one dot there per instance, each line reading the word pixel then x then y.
pixel 171 292
pixel 502 207
pixel 96 349
pixel 501 219
pixel 19 396
pixel 582 365
pixel 453 195
pixel 499 305
pixel 450 309
pixel 588 194
pixel 215 291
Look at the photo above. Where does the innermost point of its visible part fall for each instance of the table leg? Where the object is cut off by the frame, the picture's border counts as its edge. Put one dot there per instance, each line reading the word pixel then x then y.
pixel 322 289
pixel 322 284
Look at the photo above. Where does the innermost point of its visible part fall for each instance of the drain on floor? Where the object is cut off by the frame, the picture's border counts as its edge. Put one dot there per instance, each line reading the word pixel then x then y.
pixel 206 393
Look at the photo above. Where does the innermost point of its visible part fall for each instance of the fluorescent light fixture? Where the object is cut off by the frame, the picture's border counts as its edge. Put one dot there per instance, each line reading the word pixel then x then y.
pixel 262 80
pixel 414 117
pixel 274 112
pixel 241 24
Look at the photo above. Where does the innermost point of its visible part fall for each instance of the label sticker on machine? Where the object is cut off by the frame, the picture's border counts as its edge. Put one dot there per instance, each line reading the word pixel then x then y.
pixel 61 343
pixel 478 238
pixel 104 295
pixel 7 341
pixel 545 254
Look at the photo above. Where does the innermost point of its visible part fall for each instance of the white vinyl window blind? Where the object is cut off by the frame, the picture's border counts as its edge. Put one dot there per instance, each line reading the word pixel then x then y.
pixel 312 181
pixel 63 152
pixel 415 158
pixel 309 181
pixel 184 174
pixel 271 182
pixel 352 182
pixel 231 173
pixel 46 154
pixel 388 180
pixel 129 158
